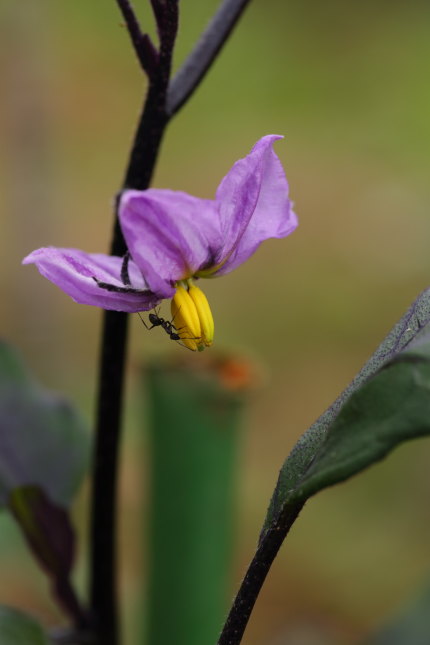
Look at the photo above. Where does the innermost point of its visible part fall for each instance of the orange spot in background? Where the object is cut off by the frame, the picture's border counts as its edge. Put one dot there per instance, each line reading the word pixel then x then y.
pixel 236 374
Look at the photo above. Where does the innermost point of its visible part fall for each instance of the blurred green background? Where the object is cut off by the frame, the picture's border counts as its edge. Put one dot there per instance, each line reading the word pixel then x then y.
pixel 347 84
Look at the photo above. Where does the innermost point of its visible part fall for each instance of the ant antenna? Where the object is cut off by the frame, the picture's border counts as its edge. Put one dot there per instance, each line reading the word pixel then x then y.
pixel 142 320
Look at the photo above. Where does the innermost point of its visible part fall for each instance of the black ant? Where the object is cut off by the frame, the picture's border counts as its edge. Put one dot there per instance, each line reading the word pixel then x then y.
pixel 167 325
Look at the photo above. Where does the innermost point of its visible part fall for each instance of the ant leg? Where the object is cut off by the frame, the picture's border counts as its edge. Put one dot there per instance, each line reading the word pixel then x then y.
pixel 124 269
pixel 173 318
pixel 178 338
pixel 184 346
pixel 147 326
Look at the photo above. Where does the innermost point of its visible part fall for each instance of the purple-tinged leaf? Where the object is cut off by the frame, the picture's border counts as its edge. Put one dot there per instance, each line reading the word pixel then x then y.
pixel 43 441
pixel 50 536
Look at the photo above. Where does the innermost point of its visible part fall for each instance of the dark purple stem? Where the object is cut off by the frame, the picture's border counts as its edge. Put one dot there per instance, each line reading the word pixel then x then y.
pixel 253 581
pixel 145 50
pixel 143 156
pixel 113 349
pixel 204 53
pixel 103 601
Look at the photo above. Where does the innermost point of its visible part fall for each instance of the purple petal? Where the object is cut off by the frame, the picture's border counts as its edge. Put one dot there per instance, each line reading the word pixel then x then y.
pixel 170 234
pixel 253 205
pixel 74 271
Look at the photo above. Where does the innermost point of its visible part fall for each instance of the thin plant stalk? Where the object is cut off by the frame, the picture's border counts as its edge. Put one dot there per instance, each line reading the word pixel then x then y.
pixel 143 156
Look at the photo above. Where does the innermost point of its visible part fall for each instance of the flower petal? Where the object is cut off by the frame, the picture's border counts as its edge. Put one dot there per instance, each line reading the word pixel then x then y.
pixel 253 205
pixel 170 234
pixel 76 272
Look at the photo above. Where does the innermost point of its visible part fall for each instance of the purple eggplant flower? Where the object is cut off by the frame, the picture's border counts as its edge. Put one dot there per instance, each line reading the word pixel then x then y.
pixel 173 237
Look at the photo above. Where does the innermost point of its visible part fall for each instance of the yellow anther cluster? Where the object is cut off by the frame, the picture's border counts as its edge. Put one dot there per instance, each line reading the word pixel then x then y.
pixel 192 317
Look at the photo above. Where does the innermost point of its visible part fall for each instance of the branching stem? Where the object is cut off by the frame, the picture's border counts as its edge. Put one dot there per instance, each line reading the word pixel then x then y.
pixel 145 50
pixel 154 119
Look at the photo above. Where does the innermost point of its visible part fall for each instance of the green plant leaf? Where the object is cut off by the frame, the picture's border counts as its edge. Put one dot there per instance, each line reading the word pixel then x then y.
pixel 17 628
pixel 43 440
pixel 392 407
pixel 377 411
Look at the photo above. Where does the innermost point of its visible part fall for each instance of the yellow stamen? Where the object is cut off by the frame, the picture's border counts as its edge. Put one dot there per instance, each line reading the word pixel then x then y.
pixel 204 313
pixel 192 317
pixel 186 319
